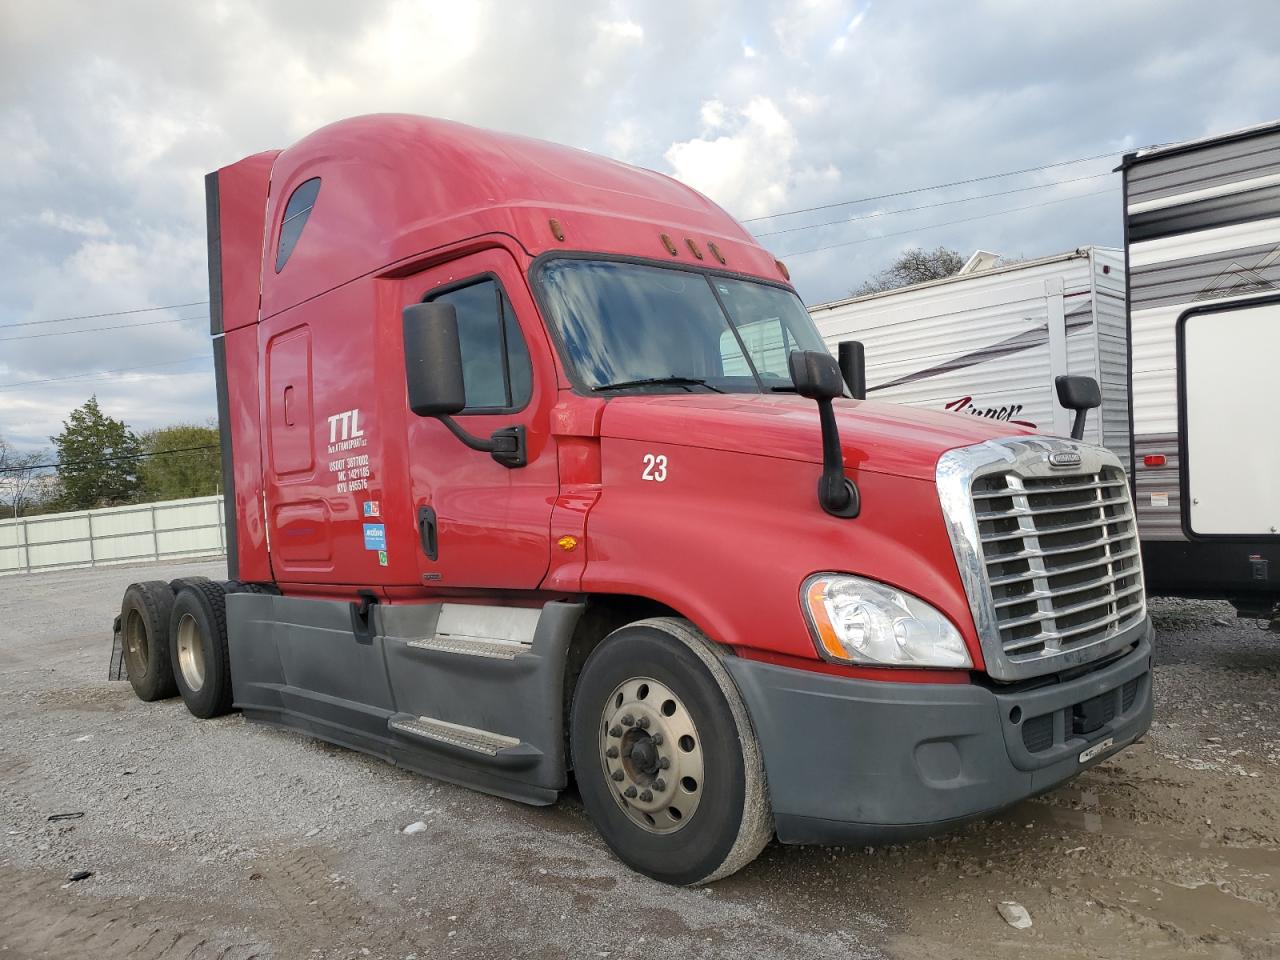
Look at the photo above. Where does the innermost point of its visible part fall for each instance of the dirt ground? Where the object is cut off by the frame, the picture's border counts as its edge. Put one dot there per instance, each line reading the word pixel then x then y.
pixel 221 839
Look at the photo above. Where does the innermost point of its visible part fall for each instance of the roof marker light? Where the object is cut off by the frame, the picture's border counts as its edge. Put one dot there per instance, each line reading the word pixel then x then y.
pixel 693 247
pixel 782 269
pixel 671 247
pixel 715 251
pixel 557 231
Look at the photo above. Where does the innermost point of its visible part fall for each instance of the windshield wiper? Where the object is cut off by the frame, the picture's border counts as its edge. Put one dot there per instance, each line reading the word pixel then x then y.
pixel 661 381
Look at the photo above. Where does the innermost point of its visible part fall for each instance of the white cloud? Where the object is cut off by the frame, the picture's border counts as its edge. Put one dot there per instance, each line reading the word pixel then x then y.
pixel 24 148
pixel 839 44
pixel 626 31
pixel 68 223
pixel 713 115
pixel 750 167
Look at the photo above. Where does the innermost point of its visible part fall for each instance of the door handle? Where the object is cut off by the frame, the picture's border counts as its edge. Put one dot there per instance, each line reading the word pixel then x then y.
pixel 427 532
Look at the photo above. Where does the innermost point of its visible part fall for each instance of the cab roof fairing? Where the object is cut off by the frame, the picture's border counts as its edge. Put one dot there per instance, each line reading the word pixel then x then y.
pixel 395 186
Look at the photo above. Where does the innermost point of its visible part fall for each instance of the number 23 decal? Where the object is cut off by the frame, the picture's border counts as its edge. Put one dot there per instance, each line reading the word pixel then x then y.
pixel 655 467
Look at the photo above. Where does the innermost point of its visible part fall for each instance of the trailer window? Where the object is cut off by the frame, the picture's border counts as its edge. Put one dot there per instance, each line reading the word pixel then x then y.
pixel 635 326
pixel 296 213
pixel 496 373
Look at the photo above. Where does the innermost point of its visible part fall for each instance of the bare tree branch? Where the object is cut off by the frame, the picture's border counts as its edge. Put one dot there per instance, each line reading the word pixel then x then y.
pixel 19 476
pixel 913 266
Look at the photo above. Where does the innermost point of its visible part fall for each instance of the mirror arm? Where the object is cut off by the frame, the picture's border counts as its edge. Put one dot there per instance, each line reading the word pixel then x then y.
pixel 1077 427
pixel 507 446
pixel 471 440
pixel 837 494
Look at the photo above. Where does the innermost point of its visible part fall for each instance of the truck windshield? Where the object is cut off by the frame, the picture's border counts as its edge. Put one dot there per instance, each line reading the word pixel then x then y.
pixel 627 326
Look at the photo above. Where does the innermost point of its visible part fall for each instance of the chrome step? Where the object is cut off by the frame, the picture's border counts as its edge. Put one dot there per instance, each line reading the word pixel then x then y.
pixel 470 646
pixel 454 734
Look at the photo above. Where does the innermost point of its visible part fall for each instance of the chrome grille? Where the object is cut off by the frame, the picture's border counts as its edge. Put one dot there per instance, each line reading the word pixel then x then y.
pixel 1061 556
pixel 1049 556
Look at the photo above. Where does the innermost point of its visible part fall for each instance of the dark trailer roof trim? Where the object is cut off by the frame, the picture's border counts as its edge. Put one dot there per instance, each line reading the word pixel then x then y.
pixel 1143 154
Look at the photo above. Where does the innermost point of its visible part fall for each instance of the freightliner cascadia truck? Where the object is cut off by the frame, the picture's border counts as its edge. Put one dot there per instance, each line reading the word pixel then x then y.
pixel 537 472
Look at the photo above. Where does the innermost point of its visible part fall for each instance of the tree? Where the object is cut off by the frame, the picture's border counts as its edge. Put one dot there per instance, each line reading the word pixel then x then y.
pixel 19 473
pixel 913 266
pixel 167 475
pixel 97 459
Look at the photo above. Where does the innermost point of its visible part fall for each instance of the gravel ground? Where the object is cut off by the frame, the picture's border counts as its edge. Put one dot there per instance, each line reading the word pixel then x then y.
pixel 225 839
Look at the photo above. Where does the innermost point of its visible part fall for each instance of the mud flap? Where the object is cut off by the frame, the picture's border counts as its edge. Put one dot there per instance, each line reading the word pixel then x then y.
pixel 116 669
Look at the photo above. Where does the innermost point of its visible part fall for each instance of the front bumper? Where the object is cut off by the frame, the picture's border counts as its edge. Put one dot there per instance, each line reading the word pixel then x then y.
pixel 863 761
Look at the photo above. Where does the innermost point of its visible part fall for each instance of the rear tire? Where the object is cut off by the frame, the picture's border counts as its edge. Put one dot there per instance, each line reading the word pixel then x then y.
pixel 144 629
pixel 178 583
pixel 665 757
pixel 198 648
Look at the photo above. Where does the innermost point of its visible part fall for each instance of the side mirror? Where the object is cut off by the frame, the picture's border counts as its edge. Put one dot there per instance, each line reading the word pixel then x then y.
pixel 433 359
pixel 853 367
pixel 1080 394
pixel 433 374
pixel 817 376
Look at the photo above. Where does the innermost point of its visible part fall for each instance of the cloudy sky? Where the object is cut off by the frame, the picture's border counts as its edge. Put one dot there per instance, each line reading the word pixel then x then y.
pixel 110 114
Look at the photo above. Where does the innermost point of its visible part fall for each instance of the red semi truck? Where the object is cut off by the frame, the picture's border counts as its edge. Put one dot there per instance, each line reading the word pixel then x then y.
pixel 535 466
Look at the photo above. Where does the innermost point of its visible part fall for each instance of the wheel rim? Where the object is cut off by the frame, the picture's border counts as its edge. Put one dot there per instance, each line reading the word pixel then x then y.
pixel 135 641
pixel 190 652
pixel 652 755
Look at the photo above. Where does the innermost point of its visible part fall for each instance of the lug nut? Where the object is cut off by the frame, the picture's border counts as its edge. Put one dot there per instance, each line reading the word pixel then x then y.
pixel 643 723
pixel 628 720
pixel 657 739
pixel 659 784
pixel 630 793
pixel 664 762
pixel 615 731
pixel 617 775
pixel 612 753
pixel 646 795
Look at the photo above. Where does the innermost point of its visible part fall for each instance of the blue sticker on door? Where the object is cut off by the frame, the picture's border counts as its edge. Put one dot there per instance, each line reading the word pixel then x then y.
pixel 375 536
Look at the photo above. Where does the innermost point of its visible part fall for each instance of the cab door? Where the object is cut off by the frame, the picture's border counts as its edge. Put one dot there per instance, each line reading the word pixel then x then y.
pixel 482 524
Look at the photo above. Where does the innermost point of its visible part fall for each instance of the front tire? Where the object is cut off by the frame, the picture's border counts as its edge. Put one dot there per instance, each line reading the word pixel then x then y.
pixel 665 757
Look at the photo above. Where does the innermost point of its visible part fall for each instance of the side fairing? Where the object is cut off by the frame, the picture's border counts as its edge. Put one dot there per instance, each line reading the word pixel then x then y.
pixel 235 201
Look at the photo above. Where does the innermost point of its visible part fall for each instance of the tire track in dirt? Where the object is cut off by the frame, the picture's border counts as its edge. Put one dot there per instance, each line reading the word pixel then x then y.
pixel 39 919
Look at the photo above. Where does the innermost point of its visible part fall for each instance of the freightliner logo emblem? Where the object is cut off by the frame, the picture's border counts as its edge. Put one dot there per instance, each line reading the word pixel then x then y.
pixel 1064 458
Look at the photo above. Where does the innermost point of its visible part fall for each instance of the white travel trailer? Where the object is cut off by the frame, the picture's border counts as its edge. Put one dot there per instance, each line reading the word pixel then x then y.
pixel 1202 243
pixel 1182 334
pixel 990 340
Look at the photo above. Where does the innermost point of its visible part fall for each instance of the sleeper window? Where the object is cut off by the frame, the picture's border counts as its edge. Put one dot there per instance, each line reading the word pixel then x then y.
pixel 296 212
pixel 496 373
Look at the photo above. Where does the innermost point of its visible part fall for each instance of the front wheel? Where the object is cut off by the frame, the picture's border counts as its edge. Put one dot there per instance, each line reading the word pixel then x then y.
pixel 665 756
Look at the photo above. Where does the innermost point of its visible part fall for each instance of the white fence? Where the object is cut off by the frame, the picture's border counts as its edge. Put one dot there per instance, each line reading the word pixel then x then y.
pixel 169 530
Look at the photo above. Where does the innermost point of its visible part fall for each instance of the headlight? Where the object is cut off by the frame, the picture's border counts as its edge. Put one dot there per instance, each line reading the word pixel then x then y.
pixel 867 622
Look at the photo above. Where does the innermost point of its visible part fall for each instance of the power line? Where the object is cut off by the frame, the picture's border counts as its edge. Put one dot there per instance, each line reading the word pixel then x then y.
pixel 948 223
pixel 122 326
pixel 99 374
pixel 930 206
pixel 96 316
pixel 936 186
pixel 122 457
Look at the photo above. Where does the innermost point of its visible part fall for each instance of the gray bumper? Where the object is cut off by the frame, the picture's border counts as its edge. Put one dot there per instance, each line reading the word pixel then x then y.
pixel 861 761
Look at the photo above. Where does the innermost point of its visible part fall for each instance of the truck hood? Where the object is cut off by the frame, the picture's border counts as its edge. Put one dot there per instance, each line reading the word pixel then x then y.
pixel 881 437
